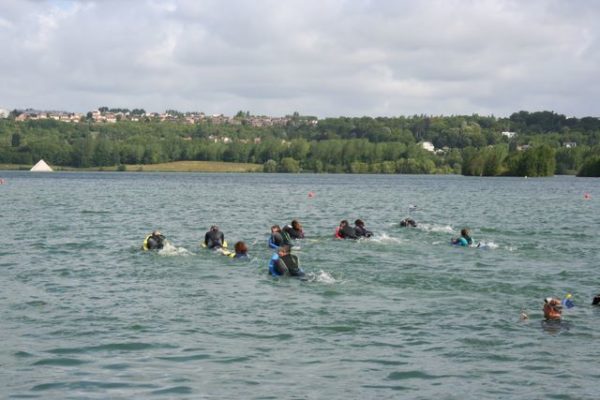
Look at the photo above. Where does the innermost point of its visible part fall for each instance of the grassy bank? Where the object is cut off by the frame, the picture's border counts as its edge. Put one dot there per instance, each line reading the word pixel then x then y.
pixel 177 166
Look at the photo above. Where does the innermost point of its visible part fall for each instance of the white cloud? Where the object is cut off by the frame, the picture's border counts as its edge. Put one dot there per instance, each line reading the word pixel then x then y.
pixel 325 58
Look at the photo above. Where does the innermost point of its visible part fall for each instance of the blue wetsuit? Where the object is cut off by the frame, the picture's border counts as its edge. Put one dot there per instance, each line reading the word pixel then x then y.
pixel 463 241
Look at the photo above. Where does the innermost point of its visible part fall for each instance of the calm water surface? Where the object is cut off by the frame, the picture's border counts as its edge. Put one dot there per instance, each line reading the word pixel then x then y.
pixel 85 315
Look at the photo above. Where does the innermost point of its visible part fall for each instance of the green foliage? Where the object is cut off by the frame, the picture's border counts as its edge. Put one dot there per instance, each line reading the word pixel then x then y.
pixel 591 168
pixel 270 166
pixel 537 161
pixel 288 164
pixel 472 145
pixel 15 140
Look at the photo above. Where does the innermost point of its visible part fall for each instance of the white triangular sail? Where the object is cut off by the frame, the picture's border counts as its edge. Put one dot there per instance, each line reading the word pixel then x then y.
pixel 41 166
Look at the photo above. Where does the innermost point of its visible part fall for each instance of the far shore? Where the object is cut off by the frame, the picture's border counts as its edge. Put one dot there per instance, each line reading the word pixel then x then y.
pixel 176 166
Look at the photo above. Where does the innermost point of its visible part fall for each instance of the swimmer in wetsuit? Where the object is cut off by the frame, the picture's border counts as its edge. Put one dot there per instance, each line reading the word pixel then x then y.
pixel 345 231
pixel 464 239
pixel 214 238
pixel 294 230
pixel 360 230
pixel 408 223
pixel 283 263
pixel 278 238
pixel 154 241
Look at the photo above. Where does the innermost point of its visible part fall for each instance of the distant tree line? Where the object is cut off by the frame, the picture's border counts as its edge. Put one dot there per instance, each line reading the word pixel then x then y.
pixel 545 143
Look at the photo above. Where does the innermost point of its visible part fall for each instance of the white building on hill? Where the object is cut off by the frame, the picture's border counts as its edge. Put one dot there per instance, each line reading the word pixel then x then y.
pixel 428 146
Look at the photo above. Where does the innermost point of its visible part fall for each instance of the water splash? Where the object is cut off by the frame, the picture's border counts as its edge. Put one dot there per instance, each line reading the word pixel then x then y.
pixel 321 277
pixel 384 238
pixel 488 245
pixel 436 228
pixel 170 250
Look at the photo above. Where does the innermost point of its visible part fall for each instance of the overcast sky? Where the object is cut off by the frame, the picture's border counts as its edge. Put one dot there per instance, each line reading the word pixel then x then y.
pixel 326 58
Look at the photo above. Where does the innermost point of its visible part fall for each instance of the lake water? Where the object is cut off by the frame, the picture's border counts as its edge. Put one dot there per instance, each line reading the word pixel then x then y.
pixel 84 314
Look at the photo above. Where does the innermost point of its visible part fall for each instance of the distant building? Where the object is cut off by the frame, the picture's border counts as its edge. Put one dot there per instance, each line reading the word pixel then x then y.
pixel 4 113
pixel 508 134
pixel 428 146
pixel 569 145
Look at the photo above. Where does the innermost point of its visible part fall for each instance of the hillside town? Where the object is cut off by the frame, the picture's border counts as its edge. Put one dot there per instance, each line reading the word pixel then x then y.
pixel 104 115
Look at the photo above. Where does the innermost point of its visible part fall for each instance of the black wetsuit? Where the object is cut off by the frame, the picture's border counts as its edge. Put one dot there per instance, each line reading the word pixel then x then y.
pixel 155 242
pixel 293 233
pixel 408 222
pixel 362 231
pixel 214 239
pixel 348 232
pixel 288 264
pixel 278 239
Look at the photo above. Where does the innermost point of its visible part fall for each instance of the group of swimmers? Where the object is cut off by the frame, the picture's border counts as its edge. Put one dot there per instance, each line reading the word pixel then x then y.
pixel 214 239
pixel 281 240
pixel 345 231
pixel 284 263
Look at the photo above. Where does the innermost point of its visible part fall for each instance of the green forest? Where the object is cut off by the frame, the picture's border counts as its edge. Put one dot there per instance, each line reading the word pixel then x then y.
pixel 544 144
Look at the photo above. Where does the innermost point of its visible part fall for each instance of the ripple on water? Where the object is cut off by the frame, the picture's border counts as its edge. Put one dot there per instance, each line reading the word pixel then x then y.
pixel 173 390
pixel 64 362
pixel 413 374
pixel 118 347
pixel 192 357
pixel 87 385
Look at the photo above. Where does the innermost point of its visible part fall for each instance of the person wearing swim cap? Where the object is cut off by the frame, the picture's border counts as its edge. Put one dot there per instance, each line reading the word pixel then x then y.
pixel 552 309
pixel 464 239
pixel 278 238
pixel 214 238
pixel 294 230
pixel 283 263
pixel 345 231
pixel 596 300
pixel 154 241
pixel 408 223
pixel 360 230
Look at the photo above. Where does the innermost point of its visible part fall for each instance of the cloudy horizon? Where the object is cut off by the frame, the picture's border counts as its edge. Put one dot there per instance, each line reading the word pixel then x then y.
pixel 324 58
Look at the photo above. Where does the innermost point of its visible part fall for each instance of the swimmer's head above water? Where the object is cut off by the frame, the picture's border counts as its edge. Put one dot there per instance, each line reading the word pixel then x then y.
pixel 552 308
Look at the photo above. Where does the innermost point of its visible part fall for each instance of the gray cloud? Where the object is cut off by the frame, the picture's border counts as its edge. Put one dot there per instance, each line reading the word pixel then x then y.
pixel 324 58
